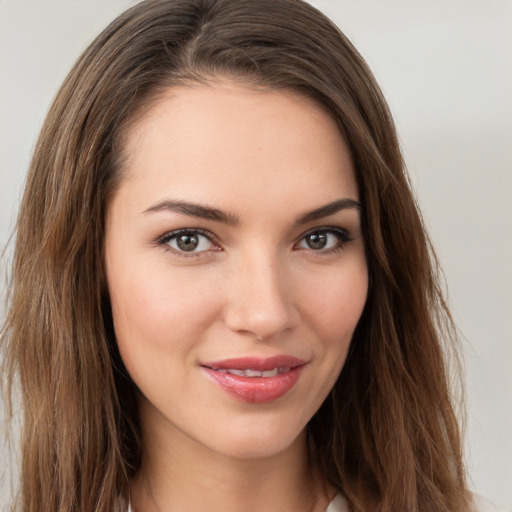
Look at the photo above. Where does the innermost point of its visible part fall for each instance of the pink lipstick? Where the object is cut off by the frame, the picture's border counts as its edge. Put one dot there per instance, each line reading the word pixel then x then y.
pixel 253 379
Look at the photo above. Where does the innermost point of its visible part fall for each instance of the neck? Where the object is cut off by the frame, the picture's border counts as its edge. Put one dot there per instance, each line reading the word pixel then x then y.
pixel 181 474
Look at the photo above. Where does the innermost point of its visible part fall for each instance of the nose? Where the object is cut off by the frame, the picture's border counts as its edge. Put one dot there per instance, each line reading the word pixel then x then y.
pixel 260 299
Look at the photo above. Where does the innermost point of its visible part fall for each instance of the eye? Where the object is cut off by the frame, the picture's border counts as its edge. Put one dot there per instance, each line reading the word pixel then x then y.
pixel 188 241
pixel 324 240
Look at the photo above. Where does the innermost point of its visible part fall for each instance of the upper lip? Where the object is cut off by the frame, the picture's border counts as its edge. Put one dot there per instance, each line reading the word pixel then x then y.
pixel 256 363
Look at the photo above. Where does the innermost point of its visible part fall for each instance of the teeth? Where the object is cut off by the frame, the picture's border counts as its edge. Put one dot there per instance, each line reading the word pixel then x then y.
pixel 255 373
pixel 237 372
pixel 252 373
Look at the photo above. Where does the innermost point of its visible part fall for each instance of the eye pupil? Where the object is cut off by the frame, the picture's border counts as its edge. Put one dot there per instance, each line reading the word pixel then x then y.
pixel 187 242
pixel 316 240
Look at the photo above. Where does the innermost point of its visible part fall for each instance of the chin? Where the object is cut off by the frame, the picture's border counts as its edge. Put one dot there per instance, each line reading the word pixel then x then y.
pixel 260 444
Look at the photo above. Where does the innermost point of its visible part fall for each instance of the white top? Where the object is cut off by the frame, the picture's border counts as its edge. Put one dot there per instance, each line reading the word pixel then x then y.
pixel 339 504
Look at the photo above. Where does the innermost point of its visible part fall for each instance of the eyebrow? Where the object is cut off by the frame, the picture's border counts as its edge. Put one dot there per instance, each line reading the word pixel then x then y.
pixel 207 212
pixel 194 210
pixel 329 209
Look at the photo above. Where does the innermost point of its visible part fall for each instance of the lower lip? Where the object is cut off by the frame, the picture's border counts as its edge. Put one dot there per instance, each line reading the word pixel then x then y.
pixel 255 389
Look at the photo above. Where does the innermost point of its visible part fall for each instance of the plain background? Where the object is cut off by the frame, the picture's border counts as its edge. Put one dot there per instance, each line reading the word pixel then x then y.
pixel 446 69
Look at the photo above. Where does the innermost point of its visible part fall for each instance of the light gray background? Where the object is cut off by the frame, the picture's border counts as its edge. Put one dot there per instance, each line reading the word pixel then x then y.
pixel 446 69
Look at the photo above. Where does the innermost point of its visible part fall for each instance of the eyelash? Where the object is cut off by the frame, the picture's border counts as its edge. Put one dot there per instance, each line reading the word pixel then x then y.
pixel 342 236
pixel 165 239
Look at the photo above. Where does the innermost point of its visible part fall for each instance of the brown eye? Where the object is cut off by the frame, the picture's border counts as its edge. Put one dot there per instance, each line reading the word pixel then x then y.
pixel 316 241
pixel 187 242
pixel 324 240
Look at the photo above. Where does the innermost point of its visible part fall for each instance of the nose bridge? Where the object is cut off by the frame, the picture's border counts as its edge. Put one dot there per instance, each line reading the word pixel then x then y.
pixel 260 301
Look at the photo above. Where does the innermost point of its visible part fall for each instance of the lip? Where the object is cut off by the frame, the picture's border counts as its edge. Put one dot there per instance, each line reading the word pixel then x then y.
pixel 255 389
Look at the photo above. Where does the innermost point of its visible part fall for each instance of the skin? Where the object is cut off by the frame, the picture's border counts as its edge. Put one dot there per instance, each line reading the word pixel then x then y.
pixel 252 287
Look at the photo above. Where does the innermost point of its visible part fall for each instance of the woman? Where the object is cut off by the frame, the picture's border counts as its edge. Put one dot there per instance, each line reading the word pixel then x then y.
pixel 223 296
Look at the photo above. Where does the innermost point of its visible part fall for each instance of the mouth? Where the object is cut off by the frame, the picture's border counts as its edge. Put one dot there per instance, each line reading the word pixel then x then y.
pixel 249 372
pixel 255 380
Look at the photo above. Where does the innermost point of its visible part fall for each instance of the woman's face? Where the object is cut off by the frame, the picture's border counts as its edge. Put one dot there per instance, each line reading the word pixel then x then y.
pixel 235 265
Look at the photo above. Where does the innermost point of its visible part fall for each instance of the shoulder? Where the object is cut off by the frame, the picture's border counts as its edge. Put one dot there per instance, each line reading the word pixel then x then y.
pixel 480 504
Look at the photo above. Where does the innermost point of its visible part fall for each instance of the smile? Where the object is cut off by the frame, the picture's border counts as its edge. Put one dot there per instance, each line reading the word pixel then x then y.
pixel 254 373
pixel 255 380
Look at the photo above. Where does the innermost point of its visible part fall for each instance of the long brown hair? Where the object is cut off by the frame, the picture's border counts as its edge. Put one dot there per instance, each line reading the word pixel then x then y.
pixel 386 437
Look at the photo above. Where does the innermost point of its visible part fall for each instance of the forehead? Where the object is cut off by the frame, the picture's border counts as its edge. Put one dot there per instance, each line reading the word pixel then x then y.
pixel 226 140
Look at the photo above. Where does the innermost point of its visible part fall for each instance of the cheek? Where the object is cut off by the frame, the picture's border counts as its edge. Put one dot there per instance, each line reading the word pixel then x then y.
pixel 158 314
pixel 332 306
pixel 335 304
